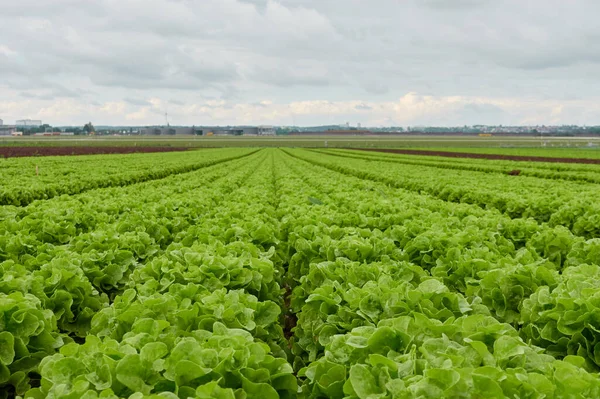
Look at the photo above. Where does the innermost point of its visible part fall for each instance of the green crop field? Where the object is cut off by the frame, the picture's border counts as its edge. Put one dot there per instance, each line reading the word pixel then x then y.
pixel 509 145
pixel 237 273
pixel 571 151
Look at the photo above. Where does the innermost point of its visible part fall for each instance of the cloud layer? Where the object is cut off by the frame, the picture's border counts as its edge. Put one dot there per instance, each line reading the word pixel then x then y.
pixel 415 62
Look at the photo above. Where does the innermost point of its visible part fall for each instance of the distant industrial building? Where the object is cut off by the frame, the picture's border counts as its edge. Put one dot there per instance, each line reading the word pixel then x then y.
pixel 29 123
pixel 209 131
pixel 7 130
pixel 168 131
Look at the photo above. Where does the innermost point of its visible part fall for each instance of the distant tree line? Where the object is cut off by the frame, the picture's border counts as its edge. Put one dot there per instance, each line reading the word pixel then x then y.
pixel 88 128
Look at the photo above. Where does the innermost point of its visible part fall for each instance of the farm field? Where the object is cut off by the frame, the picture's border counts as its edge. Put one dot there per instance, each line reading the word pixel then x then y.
pixel 488 155
pixel 573 151
pixel 571 147
pixel 298 273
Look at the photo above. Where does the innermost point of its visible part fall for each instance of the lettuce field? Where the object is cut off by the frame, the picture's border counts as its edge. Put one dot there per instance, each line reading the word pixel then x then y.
pixel 295 273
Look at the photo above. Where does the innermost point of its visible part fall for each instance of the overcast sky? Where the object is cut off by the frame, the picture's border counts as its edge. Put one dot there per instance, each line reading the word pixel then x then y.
pixel 302 62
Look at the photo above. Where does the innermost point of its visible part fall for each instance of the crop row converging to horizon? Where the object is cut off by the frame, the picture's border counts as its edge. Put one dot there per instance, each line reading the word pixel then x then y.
pixel 283 273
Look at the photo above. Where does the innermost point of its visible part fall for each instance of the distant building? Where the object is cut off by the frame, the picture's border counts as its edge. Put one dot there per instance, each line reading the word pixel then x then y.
pixel 227 131
pixel 209 131
pixel 237 131
pixel 168 131
pixel 6 130
pixel 266 131
pixel 29 123
pixel 1 122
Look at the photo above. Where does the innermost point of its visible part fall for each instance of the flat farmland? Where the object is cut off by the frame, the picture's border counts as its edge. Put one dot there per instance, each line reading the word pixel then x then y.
pixel 581 149
pixel 498 154
pixel 547 145
pixel 298 273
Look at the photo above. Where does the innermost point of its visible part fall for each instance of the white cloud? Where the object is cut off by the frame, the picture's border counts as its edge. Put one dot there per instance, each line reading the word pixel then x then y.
pixel 114 108
pixel 140 115
pixel 7 51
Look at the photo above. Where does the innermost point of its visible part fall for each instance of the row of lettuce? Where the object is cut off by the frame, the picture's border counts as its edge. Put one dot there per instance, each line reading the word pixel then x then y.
pixel 559 171
pixel 438 300
pixel 556 202
pixel 28 179
pixel 121 309
pixel 189 288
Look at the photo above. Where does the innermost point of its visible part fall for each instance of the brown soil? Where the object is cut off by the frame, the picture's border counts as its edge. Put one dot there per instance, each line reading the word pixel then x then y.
pixel 484 156
pixel 25 151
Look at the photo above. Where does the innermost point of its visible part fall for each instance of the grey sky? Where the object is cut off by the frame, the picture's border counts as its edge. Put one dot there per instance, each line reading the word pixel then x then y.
pixel 384 62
